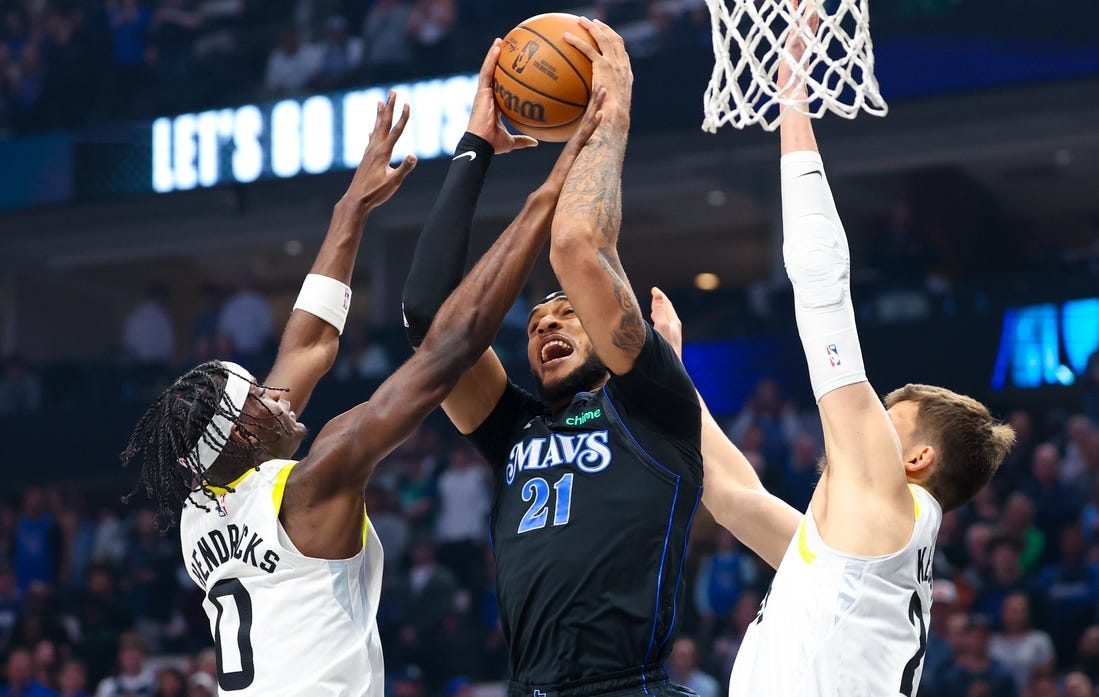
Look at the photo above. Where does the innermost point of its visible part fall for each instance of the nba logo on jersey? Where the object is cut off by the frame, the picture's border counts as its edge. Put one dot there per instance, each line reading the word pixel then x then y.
pixel 834 355
pixel 347 302
pixel 221 509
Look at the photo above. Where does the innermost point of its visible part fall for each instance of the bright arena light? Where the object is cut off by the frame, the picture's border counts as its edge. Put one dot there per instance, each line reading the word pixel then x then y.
pixel 707 281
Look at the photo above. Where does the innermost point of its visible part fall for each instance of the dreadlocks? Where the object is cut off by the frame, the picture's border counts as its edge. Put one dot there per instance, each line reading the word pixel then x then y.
pixel 170 429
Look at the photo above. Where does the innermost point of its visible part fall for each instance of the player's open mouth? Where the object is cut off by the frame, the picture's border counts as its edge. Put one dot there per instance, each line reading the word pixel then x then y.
pixel 555 350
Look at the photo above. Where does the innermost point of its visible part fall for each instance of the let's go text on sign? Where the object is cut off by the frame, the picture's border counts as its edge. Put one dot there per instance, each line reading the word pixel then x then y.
pixel 310 136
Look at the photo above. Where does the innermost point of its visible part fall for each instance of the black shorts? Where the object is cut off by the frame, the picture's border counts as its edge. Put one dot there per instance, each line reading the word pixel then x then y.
pixel 651 682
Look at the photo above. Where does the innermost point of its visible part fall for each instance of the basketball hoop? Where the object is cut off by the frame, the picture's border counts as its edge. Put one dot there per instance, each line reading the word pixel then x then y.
pixel 750 38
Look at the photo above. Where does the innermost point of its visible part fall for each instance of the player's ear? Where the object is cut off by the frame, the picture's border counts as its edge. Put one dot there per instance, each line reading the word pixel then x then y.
pixel 919 462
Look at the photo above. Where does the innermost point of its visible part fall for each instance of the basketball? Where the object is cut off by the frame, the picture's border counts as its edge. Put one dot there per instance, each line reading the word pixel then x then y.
pixel 542 83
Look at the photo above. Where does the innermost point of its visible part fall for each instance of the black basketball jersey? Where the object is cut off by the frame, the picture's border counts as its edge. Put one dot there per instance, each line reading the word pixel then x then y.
pixel 592 510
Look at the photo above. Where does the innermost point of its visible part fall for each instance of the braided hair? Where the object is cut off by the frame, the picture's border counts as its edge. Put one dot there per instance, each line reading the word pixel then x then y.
pixel 170 429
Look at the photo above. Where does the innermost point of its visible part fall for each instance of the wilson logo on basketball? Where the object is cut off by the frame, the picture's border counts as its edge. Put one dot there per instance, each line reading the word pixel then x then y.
pixel 521 60
pixel 533 111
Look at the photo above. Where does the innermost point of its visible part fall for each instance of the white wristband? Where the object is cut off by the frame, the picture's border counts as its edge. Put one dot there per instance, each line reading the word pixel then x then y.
pixel 326 298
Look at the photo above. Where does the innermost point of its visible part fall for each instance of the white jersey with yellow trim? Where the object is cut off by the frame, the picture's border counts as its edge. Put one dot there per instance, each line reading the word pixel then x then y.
pixel 282 623
pixel 842 625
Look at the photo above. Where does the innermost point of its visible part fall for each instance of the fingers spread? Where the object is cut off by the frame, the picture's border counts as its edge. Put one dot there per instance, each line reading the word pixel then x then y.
pixel 488 67
pixel 582 46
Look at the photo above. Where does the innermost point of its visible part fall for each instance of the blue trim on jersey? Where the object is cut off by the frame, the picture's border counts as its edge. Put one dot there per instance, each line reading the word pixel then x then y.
pixel 635 441
pixel 660 574
pixel 679 579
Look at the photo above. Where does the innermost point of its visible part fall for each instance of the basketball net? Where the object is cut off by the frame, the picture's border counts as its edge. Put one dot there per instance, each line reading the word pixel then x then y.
pixel 750 38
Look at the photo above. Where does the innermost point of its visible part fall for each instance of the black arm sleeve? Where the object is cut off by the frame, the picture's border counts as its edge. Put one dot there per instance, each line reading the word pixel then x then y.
pixel 659 390
pixel 440 256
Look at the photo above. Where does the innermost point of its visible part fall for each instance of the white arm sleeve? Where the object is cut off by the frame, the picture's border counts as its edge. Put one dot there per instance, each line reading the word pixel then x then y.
pixel 818 263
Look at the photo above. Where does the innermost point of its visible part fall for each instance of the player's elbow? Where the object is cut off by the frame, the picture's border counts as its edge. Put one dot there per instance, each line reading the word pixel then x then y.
pixel 570 238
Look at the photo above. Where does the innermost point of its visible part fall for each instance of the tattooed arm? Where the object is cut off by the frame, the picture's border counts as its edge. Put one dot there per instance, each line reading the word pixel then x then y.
pixel 583 244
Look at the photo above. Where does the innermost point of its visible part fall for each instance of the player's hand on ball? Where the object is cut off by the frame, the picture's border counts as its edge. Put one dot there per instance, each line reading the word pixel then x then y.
pixel 375 181
pixel 610 66
pixel 484 119
pixel 666 321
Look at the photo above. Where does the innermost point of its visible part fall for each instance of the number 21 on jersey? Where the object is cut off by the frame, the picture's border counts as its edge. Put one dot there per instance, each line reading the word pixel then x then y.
pixel 537 491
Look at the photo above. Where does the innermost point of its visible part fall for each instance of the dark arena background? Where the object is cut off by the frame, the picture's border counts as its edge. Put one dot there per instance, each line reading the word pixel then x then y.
pixel 167 171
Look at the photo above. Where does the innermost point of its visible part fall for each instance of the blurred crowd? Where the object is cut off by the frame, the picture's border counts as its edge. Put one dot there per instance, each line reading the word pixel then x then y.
pixel 70 63
pixel 94 601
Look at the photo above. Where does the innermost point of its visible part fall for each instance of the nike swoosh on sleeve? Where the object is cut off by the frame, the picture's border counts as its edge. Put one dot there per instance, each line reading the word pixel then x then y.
pixel 468 153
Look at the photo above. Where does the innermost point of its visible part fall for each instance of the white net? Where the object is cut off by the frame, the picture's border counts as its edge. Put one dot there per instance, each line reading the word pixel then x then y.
pixel 750 39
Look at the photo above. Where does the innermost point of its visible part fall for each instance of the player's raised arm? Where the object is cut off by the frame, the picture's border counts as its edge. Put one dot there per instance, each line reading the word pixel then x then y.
pixel 732 491
pixel 583 248
pixel 869 508
pixel 441 251
pixel 311 337
pixel 332 478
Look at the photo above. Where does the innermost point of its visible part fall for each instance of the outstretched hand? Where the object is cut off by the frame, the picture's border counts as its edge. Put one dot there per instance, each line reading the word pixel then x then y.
pixel 806 22
pixel 666 321
pixel 375 181
pixel 484 119
pixel 593 116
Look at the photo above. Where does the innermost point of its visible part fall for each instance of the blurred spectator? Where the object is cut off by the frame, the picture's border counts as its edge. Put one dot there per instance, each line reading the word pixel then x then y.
pixel 722 576
pixel 37 542
pixel 364 358
pixel 1072 592
pixel 103 619
pixel 464 492
pixel 20 680
pixel 72 680
pixel 134 677
pixel 945 637
pixel 148 336
pixel 206 343
pixel 172 32
pixel 388 50
pixel 20 388
pixel 290 65
pixel 801 475
pixel 171 682
pixel 11 606
pixel 1091 389
pixel 777 421
pixel 1007 577
pixel 339 56
pixel 1087 653
pixel 1078 684
pixel 387 521
pixel 127 21
pixel 727 644
pixel 44 663
pixel 246 320
pixel 1018 524
pixel 1026 652
pixel 77 546
pixel 201 685
pixel 409 682
pixel 974 671
pixel 683 669
pixel 1016 466
pixel 1081 449
pixel 425 598
pixel 431 30
pixel 1055 505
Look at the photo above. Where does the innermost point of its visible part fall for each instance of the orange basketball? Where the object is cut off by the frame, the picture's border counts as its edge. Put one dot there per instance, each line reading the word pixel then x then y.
pixel 542 82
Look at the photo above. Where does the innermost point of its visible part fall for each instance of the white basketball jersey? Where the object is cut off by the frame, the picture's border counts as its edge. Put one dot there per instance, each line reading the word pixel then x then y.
pixel 282 623
pixel 842 625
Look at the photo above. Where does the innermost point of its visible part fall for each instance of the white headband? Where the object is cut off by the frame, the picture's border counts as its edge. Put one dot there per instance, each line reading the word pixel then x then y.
pixel 238 383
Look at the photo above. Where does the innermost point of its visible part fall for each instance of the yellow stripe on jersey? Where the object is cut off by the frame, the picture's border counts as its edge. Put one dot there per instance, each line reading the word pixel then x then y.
pixel 915 500
pixel 803 545
pixel 366 525
pixel 222 490
pixel 280 486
